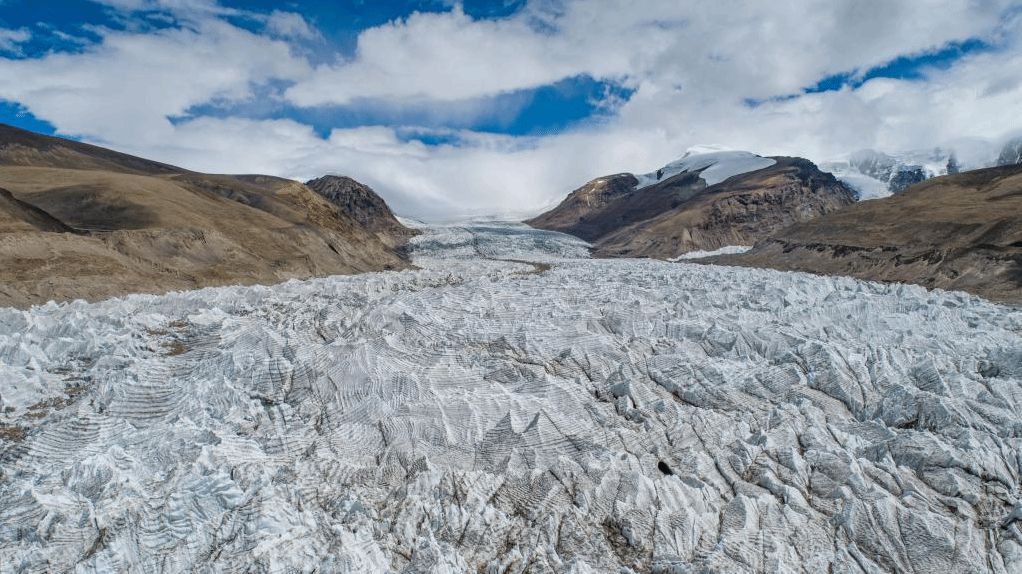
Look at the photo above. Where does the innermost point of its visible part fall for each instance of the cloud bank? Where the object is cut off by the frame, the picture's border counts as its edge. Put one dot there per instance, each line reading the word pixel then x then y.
pixel 742 74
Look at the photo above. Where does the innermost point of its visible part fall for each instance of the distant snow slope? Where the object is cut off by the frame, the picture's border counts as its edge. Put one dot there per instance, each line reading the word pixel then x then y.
pixel 493 416
pixel 876 174
pixel 717 165
pixel 867 187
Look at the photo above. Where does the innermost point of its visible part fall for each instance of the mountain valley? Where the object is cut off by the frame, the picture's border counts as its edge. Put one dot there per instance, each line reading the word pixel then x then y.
pixel 514 405
pixel 506 398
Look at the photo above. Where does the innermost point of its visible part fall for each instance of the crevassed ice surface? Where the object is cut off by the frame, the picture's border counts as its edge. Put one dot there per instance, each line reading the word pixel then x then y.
pixel 493 416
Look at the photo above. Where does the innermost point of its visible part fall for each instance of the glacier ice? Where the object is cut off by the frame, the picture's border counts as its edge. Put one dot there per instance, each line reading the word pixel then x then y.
pixel 514 406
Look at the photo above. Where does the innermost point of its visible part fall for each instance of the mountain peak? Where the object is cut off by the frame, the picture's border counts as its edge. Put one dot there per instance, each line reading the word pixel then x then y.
pixel 363 204
pixel 699 202
pixel 701 149
pixel 713 166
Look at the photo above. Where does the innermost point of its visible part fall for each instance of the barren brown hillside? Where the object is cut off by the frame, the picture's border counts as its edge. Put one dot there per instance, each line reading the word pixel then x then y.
pixel 682 214
pixel 79 221
pixel 960 231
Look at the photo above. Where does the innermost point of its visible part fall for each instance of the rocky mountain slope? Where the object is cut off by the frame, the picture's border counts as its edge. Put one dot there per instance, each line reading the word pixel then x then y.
pixel 959 231
pixel 81 221
pixel 364 205
pixel 718 199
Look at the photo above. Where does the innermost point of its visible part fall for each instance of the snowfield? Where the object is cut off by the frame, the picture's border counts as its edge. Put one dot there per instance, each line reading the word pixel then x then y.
pixel 481 415
pixel 714 165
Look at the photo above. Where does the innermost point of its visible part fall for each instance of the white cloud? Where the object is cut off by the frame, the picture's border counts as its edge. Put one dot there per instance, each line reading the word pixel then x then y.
pixel 728 47
pixel 692 66
pixel 290 25
pixel 10 40
pixel 122 90
pixel 446 56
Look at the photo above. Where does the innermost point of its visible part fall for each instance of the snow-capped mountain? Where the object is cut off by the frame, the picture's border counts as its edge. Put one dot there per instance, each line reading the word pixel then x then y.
pixel 713 163
pixel 961 231
pixel 875 174
pixel 711 197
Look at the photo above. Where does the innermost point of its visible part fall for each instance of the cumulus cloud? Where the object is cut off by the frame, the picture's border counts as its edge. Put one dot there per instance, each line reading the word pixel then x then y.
pixel 10 40
pixel 123 90
pixel 694 69
pixel 734 48
pixel 447 57
pixel 290 25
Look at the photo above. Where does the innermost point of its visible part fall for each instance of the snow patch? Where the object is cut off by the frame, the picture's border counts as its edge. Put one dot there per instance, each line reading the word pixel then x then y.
pixel 726 250
pixel 706 148
pixel 716 166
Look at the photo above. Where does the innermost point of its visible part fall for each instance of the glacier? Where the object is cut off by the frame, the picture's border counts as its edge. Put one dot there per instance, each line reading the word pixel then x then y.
pixel 515 406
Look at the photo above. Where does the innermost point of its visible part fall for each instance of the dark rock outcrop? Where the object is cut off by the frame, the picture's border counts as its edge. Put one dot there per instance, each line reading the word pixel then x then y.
pixel 905 177
pixel 1011 154
pixel 364 205
pixel 960 232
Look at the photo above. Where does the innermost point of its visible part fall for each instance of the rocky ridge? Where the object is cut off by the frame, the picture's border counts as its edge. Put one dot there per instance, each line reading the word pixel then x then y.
pixel 681 213
pixel 364 205
pixel 81 221
pixel 960 231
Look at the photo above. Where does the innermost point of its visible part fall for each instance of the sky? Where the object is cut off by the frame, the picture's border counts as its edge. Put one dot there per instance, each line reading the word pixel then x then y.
pixel 503 107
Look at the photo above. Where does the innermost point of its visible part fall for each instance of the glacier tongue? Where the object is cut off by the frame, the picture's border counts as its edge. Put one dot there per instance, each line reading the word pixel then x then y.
pixel 490 414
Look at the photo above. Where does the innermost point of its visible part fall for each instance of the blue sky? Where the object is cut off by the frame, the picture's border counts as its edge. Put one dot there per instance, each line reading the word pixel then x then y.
pixel 504 105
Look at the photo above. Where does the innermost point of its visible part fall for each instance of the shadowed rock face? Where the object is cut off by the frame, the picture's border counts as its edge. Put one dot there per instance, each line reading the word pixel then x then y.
pixel 682 214
pixel 585 214
pixel 364 205
pixel 1011 154
pixel 960 231
pixel 80 221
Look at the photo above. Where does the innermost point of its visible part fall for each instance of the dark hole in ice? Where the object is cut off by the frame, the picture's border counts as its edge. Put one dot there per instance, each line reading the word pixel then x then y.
pixel 664 468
